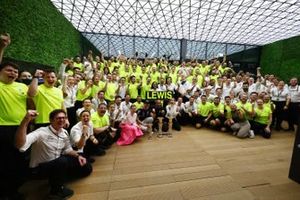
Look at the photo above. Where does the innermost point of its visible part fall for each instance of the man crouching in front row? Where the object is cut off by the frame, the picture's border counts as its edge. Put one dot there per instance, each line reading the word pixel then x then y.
pixel 52 155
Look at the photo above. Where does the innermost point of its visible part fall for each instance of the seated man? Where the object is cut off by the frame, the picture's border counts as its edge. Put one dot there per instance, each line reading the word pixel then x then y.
pixel 105 134
pixel 145 115
pixel 83 139
pixel 52 155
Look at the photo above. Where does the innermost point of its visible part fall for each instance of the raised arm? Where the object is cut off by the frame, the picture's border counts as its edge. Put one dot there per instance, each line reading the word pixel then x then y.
pixel 33 87
pixel 20 137
pixel 4 42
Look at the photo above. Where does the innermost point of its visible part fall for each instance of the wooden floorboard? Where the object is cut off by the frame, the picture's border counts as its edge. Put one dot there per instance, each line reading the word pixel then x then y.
pixel 193 164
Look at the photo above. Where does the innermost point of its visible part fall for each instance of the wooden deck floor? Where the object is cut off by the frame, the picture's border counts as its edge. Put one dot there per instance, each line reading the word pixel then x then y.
pixel 193 164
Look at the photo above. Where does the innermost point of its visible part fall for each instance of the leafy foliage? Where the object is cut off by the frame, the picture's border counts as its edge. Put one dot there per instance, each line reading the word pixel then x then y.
pixel 282 58
pixel 40 33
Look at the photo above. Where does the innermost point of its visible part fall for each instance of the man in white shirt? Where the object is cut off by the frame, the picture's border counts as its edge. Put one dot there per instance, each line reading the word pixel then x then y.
pixel 52 155
pixel 294 105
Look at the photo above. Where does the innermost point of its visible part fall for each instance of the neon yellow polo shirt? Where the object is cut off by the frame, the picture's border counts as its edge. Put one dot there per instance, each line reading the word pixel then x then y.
pixel 97 88
pixel 204 109
pixel 145 88
pixel 247 106
pixel 98 121
pixel 262 115
pixel 228 111
pixel 154 76
pixel 138 105
pixel 87 94
pixel 217 110
pixel 46 100
pixel 12 103
pixel 174 77
pixel 110 92
pixel 78 65
pixel 133 90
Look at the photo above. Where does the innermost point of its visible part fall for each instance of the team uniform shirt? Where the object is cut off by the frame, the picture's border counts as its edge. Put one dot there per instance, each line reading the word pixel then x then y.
pixel 279 95
pixel 69 100
pixel 190 108
pixel 110 92
pixel 76 133
pixel 204 109
pixel 246 106
pixel 294 93
pixel 227 111
pixel 171 87
pixel 262 115
pixel 145 88
pixel 183 87
pixel 78 65
pixel 172 111
pixel 46 100
pixel 174 77
pixel 217 110
pixel 154 76
pixel 138 105
pixel 12 103
pixel 133 90
pixel 87 94
pixel 96 88
pixel 125 107
pixel 47 144
pixel 96 102
pixel 100 121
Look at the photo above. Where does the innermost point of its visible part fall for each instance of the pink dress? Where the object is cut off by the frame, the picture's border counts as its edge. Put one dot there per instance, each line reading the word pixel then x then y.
pixel 130 130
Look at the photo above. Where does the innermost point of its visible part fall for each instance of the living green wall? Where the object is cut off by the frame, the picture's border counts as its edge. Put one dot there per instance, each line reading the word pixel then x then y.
pixel 282 58
pixel 40 33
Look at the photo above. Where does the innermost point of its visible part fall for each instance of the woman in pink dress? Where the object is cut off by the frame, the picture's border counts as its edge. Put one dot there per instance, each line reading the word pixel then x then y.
pixel 130 128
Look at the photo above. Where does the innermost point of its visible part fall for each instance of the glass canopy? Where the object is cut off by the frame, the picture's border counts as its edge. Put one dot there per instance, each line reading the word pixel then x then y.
pixel 247 22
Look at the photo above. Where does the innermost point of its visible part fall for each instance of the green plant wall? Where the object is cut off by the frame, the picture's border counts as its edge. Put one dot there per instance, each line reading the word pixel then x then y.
pixel 282 58
pixel 39 32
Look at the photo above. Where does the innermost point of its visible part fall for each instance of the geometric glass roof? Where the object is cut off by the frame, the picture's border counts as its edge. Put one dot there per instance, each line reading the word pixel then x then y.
pixel 251 22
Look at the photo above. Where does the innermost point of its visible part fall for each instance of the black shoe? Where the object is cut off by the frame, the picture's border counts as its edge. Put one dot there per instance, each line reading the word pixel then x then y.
pixel 100 152
pixel 15 196
pixel 91 160
pixel 62 193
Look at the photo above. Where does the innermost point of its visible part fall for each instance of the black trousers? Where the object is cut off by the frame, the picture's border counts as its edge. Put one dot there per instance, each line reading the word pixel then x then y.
pixel 61 170
pixel 293 114
pixel 14 164
pixel 259 129
pixel 279 114
pixel 72 117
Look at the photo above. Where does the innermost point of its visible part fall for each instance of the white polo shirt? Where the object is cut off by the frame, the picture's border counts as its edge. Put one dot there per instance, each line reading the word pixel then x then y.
pixel 76 133
pixel 294 93
pixel 279 95
pixel 46 145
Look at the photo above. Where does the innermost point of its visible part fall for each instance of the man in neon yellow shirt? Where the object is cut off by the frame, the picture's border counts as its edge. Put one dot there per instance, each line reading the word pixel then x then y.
pixel 110 89
pixel 102 130
pixel 133 88
pixel 12 108
pixel 204 112
pixel 78 63
pixel 217 113
pixel 45 96
pixel 139 104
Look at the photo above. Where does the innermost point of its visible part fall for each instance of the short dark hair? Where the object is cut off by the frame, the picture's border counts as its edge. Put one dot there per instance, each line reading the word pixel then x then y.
pixel 102 104
pixel 55 112
pixel 48 71
pixel 5 64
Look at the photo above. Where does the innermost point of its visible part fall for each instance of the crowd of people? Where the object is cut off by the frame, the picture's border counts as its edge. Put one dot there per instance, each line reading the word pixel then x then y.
pixel 52 124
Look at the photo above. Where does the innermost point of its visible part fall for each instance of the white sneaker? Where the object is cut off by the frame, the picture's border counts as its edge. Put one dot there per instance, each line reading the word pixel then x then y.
pixel 251 134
